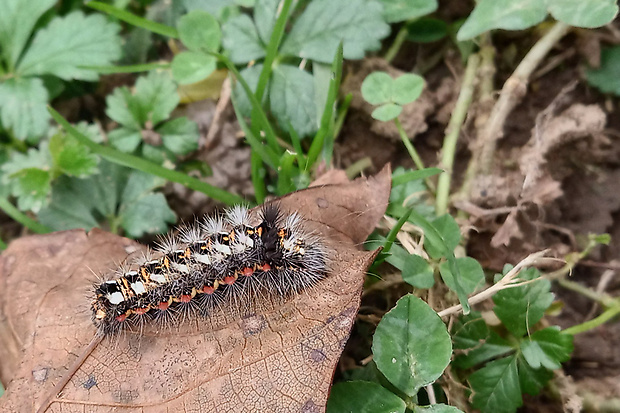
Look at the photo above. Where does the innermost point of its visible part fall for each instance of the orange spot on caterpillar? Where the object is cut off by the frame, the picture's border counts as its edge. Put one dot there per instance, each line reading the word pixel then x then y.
pixel 122 317
pixel 186 298
pixel 208 289
pixel 141 311
pixel 229 279
pixel 247 271
pixel 163 305
pixel 266 267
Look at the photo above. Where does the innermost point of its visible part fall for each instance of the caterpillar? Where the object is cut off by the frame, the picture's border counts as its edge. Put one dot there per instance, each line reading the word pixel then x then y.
pixel 221 262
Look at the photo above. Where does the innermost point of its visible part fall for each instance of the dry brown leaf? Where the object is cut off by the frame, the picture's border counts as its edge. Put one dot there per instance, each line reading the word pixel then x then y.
pixel 280 358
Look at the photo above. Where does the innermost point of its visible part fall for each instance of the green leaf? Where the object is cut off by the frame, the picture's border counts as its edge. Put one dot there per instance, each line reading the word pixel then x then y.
pixel 502 14
pixel 71 157
pixel 179 135
pixel 325 23
pixel 407 88
pixel 472 334
pixel 418 272
pixel 387 112
pixel 401 10
pixel 400 177
pixel 443 237
pixel 141 211
pixel 192 67
pixel 124 139
pixel 472 276
pixel 251 75
pixel 363 397
pixel 31 187
pixel 377 88
pixel 157 96
pixel 411 345
pixel 532 380
pixel 292 99
pixel 583 13
pixel 240 39
pixel 606 78
pixel 85 203
pixel 547 348
pixel 265 14
pixel 17 20
pixel 436 408
pixel 496 387
pixel 70 42
pixel 520 308
pixel 153 100
pixel 426 30
pixel 23 107
pixel 200 31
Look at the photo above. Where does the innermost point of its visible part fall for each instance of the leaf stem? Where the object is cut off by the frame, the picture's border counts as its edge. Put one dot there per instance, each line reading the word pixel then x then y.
pixel 412 152
pixel 452 134
pixel 397 44
pixel 143 165
pixel 22 218
pixel 595 322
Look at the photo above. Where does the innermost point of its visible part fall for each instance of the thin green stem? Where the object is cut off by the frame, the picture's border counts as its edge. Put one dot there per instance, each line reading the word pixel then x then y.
pixel 397 44
pixel 144 67
pixel 452 134
pixel 143 165
pixel 22 218
pixel 595 322
pixel 412 152
pixel 135 20
pixel 258 180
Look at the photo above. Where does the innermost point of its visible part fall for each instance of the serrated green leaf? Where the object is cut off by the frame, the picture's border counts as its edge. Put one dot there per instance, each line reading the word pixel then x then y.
pixel 532 380
pixel 401 10
pixel 123 108
pixel 179 135
pixel 71 157
pixel 472 275
pixel 606 78
pixel 520 308
pixel 70 42
pixel 240 39
pixel 547 348
pixel 472 334
pixel 17 20
pixel 411 345
pixel 292 99
pixel 407 88
pixel 31 187
pixel 377 88
pixel 583 13
pixel 23 107
pixel 387 112
pixel 33 158
pixel 496 387
pixel 502 14
pixel 363 397
pixel 200 31
pixel 125 140
pixel 265 14
pixel 149 214
pixel 157 96
pixel 418 272
pixel 192 67
pixel 325 23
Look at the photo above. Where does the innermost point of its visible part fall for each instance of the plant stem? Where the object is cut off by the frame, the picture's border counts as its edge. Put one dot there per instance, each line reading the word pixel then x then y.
pixel 398 42
pixel 595 322
pixel 512 92
pixel 452 134
pixel 22 218
pixel 412 152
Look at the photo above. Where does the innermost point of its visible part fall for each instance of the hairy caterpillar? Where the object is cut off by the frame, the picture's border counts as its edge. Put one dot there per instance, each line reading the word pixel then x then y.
pixel 224 261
